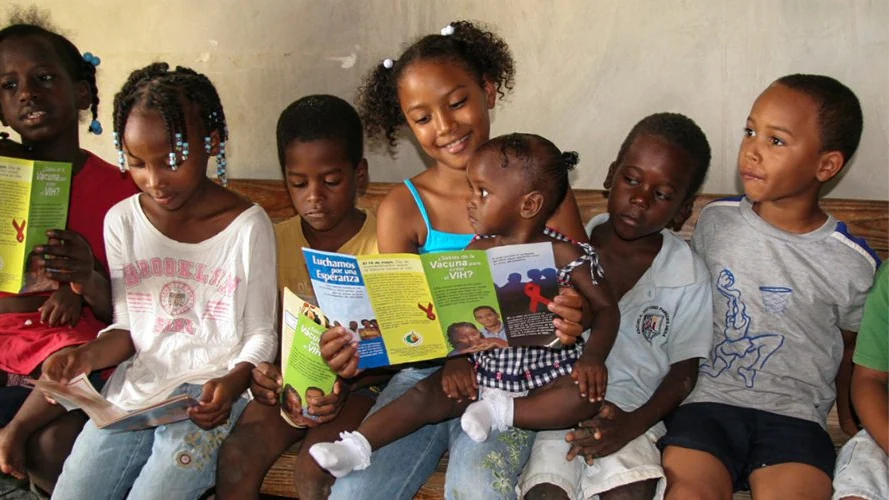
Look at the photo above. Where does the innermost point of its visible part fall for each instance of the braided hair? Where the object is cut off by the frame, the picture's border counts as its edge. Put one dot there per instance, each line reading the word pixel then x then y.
pixel 474 47
pixel 79 69
pixel 544 167
pixel 156 87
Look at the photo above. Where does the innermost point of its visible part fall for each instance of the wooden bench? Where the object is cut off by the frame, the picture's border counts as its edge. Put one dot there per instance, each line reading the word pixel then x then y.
pixel 865 218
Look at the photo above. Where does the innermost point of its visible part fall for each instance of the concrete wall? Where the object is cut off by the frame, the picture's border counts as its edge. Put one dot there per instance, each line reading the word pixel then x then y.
pixel 587 70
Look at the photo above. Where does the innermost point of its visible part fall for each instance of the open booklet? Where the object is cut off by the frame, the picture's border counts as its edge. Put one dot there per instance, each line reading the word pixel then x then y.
pixel 304 370
pixel 34 198
pixel 405 307
pixel 79 393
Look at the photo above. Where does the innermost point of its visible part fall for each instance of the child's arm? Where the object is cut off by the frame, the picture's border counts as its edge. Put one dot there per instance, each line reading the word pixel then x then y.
pixel 871 401
pixel 602 316
pixel 397 221
pixel 110 349
pixel 71 260
pixel 612 428
pixel 843 384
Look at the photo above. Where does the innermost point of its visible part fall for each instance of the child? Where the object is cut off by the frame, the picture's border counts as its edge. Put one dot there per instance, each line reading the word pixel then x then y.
pixel 518 181
pixel 466 338
pixel 492 327
pixel 321 150
pixel 789 284
pixel 443 88
pixel 193 280
pixel 665 319
pixel 862 469
pixel 45 84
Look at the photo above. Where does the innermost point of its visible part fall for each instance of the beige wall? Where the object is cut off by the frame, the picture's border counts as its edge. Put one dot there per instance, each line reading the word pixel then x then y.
pixel 587 70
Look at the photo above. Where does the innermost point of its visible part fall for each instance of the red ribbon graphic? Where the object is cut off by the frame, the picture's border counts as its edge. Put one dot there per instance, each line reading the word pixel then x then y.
pixel 19 230
pixel 532 290
pixel 428 310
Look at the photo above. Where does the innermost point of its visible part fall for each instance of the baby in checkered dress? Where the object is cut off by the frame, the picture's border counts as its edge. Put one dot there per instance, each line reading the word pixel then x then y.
pixel 518 181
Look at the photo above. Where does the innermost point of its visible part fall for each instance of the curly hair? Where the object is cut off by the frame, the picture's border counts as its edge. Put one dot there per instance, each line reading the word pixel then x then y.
pixel 480 51
pixel 78 69
pixel 840 119
pixel 317 117
pixel 680 131
pixel 544 167
pixel 156 87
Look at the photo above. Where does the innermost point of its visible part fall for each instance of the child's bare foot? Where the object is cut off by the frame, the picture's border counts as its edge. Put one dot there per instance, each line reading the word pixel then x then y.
pixel 12 452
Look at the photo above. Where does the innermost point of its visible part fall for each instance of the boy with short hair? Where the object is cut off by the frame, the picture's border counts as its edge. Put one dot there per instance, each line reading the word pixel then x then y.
pixel 320 148
pixel 665 306
pixel 862 469
pixel 789 283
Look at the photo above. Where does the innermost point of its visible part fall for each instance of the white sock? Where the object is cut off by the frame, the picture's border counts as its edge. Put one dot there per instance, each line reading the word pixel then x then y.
pixel 493 411
pixel 477 420
pixel 351 452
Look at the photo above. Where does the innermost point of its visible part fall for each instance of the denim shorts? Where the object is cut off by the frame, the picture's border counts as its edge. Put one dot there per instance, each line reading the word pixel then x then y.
pixel 746 439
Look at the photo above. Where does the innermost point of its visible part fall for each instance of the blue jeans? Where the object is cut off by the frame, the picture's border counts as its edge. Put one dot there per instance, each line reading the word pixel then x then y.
pixel 485 471
pixel 171 461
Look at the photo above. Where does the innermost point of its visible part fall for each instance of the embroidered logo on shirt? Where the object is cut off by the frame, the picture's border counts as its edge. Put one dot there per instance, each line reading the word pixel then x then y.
pixel 177 298
pixel 653 322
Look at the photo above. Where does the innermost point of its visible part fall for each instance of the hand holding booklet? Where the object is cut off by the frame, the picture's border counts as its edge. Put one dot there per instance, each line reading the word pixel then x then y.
pixel 404 308
pixel 79 393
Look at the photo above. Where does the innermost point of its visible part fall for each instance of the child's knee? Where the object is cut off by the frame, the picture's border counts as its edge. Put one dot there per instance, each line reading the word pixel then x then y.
pixel 545 491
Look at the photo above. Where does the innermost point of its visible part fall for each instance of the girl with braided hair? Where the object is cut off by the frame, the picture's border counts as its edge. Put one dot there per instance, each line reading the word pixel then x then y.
pixel 45 86
pixel 194 293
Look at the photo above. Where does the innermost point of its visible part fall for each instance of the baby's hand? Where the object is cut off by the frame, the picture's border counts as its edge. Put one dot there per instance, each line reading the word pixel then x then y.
pixel 458 379
pixel 266 383
pixel 591 376
pixel 63 307
pixel 340 351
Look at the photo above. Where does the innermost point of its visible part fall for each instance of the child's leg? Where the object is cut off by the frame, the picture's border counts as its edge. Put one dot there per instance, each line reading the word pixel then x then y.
pixel 425 403
pixel 557 405
pixel 103 464
pixel 183 457
pixel 34 413
pixel 258 439
pixel 49 446
pixel 312 482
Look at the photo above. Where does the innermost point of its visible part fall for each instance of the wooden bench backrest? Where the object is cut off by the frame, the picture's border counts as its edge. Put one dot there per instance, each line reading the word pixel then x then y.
pixel 868 219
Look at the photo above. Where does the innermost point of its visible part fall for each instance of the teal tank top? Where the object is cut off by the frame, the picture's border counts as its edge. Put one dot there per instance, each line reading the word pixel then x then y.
pixel 437 241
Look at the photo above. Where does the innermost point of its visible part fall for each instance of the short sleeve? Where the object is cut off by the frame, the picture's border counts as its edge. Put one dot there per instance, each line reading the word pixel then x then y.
pixel 693 322
pixel 872 346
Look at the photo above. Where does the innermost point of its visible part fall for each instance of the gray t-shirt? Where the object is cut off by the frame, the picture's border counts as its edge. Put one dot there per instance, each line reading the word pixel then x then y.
pixel 780 301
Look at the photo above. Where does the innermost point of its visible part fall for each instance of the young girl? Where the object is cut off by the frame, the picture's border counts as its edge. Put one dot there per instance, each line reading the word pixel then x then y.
pixel 519 180
pixel 193 283
pixel 45 84
pixel 443 87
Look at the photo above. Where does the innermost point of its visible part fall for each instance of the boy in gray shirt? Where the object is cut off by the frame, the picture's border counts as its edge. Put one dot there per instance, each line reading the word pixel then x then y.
pixel 789 283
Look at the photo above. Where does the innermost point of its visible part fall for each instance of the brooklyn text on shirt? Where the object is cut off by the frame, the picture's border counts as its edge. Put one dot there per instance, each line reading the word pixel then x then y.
pixel 169 267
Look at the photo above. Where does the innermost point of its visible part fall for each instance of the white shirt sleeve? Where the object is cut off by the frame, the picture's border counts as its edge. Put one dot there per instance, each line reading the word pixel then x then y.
pixel 693 324
pixel 115 229
pixel 259 338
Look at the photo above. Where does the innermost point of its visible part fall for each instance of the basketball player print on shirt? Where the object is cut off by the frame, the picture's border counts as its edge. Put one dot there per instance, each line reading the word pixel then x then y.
pixel 742 352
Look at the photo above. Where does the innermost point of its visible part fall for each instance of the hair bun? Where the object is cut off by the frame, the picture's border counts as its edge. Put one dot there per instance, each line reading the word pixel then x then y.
pixel 570 159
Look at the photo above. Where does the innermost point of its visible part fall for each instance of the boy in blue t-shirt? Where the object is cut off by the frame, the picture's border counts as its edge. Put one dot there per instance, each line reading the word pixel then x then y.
pixel 789 284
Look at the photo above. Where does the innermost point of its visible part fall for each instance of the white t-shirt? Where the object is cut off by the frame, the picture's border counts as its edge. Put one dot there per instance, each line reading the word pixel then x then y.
pixel 193 310
pixel 667 317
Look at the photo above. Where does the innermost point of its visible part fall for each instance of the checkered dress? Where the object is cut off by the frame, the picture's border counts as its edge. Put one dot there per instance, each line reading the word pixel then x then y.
pixel 523 368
